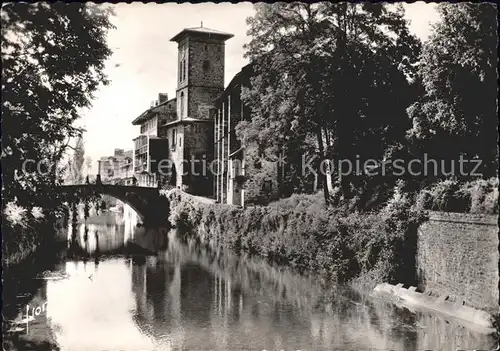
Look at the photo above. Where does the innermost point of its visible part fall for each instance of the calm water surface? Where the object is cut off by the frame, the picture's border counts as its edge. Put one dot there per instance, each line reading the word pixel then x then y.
pixel 182 297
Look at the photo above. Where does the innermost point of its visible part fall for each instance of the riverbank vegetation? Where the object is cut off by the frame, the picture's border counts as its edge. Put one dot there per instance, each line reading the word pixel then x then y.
pixel 50 70
pixel 301 232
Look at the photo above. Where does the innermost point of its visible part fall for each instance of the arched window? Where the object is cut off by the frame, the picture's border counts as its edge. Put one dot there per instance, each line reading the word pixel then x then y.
pixel 182 104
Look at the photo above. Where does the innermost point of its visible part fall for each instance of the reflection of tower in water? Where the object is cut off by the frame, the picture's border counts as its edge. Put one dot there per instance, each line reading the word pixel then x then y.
pixel 150 284
pixel 96 240
pixel 153 239
pixel 196 294
pixel 156 287
pixel 171 298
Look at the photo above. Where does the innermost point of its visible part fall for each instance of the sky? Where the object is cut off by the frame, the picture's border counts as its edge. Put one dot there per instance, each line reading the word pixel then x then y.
pixel 144 61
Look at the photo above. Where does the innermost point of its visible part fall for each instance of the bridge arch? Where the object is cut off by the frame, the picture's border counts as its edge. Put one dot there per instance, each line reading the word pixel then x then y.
pixel 150 206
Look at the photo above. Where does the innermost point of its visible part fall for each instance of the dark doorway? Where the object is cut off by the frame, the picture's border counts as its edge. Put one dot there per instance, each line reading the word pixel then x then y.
pixel 173 176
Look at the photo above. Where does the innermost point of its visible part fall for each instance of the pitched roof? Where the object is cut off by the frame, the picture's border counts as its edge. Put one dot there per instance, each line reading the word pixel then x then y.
pixel 204 31
pixel 146 114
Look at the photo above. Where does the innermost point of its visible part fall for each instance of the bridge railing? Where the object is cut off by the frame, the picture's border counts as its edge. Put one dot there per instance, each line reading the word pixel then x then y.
pixel 123 182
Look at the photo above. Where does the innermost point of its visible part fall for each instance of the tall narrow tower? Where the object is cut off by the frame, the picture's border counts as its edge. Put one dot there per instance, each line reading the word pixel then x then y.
pixel 200 78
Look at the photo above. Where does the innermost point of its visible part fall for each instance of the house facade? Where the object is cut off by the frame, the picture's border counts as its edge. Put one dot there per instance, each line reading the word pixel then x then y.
pixel 244 177
pixel 150 147
pixel 125 172
pixel 116 169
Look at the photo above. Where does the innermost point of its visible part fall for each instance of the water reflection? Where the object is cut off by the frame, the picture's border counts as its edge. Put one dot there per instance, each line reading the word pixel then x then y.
pixel 188 294
pixel 92 308
pixel 183 296
pixel 96 237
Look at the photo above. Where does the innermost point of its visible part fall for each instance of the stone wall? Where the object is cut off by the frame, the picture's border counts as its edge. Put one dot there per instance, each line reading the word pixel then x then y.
pixel 199 138
pixel 166 113
pixel 457 255
pixel 206 62
pixel 200 101
pixel 205 76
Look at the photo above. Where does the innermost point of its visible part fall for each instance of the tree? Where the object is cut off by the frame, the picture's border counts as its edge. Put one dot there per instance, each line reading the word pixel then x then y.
pixel 457 112
pixel 52 63
pixel 53 59
pixel 335 72
pixel 76 163
pixel 88 165
pixel 79 159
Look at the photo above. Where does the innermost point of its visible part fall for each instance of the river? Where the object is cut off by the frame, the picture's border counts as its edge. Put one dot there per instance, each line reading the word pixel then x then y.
pixel 131 288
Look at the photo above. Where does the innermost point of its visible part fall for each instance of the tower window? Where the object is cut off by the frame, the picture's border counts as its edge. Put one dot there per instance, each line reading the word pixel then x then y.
pixel 181 65
pixel 206 47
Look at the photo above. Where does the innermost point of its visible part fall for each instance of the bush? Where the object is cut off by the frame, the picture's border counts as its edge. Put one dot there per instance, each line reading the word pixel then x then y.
pixel 424 200
pixel 478 196
pixel 484 195
pixel 448 196
pixel 301 202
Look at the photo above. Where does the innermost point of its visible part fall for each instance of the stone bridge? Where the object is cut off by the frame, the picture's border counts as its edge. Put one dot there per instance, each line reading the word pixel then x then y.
pixel 147 202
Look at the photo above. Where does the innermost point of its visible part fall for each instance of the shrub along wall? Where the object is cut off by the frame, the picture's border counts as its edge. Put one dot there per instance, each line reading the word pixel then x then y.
pixel 477 196
pixel 302 233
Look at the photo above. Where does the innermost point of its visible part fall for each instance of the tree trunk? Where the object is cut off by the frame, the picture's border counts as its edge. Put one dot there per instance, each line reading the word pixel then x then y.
pixel 322 175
